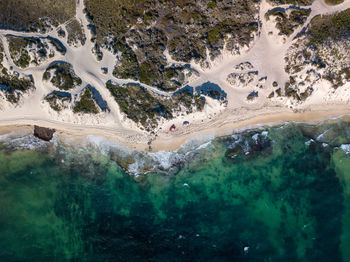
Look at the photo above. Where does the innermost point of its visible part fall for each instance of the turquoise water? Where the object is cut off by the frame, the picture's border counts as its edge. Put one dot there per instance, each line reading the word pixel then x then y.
pixel 268 195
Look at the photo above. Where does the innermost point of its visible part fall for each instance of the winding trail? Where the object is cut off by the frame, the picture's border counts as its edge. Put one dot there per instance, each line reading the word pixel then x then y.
pixel 81 58
pixel 266 54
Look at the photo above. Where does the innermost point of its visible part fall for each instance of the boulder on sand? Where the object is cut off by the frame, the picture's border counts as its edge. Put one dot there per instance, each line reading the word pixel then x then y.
pixel 43 133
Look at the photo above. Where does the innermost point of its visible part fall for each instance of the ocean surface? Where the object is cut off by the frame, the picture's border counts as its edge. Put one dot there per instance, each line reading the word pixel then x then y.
pixel 275 194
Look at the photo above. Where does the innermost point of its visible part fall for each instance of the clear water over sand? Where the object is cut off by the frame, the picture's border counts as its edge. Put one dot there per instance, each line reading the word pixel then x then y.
pixel 273 195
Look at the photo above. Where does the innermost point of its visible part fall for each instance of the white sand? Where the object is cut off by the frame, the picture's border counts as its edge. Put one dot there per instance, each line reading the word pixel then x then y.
pixel 266 54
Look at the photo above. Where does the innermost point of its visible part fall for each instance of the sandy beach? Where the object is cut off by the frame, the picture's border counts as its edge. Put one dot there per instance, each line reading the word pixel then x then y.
pixel 168 141
pixel 266 55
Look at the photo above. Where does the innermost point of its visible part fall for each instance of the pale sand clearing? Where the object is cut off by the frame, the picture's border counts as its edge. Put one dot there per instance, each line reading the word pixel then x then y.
pixel 266 54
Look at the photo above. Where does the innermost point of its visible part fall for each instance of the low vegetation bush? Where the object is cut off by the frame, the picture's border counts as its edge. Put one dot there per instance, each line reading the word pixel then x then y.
pixel 329 27
pixel 86 103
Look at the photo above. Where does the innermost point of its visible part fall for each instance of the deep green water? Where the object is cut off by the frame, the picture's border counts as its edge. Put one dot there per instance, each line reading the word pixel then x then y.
pixel 285 200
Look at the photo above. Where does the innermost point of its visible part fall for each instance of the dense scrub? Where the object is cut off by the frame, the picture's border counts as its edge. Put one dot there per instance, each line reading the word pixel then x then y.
pixel 99 100
pixel 86 103
pixel 62 76
pixel 334 2
pixel 75 33
pixel 146 61
pixel 18 50
pixel 321 53
pixel 329 27
pixel 13 86
pixel 329 37
pixel 141 31
pixel 1 55
pixel 58 100
pixel 286 24
pixel 292 2
pixel 146 108
pixel 35 15
pixel 33 50
pixel 57 44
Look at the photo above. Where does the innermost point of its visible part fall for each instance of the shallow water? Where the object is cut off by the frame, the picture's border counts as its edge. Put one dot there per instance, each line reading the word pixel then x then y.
pixel 282 194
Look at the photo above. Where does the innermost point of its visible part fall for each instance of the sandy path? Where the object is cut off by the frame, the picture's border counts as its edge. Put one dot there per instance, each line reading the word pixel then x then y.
pixel 266 54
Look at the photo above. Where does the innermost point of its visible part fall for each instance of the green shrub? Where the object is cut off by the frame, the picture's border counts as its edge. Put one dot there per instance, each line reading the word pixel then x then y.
pixel 286 24
pixel 75 32
pixel 26 15
pixel 329 27
pixel 214 35
pixel 147 108
pixel 142 30
pixel 211 4
pixel 63 77
pixel 86 104
pixel 292 2
pixel 55 101
pixel 18 51
pixel 334 2
pixel 15 86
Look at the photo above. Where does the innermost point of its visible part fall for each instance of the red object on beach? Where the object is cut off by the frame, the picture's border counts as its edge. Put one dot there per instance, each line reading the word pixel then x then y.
pixel 172 128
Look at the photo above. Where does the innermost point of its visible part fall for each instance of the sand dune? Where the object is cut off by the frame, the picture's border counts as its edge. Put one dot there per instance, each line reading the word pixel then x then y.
pixel 266 55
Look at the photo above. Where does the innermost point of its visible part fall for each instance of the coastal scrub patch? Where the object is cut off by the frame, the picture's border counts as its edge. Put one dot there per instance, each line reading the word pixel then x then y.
pixel 292 2
pixel 128 66
pixel 13 86
pixel 147 108
pixel 75 33
pixel 58 100
pixel 142 58
pixel 86 103
pixel 1 54
pixel 322 52
pixel 62 75
pixel 253 95
pixel 35 15
pixel 242 79
pixel 33 50
pixel 139 105
pixel 328 45
pixel 57 44
pixel 18 50
pixel 287 23
pixel 211 90
pixel 334 2
pixel 96 96
pixel 140 32
pixel 329 27
pixel 293 91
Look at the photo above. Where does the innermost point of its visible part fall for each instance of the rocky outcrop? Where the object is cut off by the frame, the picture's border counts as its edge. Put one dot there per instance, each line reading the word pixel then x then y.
pixel 44 133
pixel 248 145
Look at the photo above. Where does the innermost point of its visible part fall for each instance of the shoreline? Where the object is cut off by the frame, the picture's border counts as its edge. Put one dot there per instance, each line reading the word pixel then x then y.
pixel 257 122
pixel 169 141
pixel 214 120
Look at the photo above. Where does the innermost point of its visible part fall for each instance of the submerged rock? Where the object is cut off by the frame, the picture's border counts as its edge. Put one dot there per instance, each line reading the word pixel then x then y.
pixel 43 133
pixel 334 134
pixel 246 146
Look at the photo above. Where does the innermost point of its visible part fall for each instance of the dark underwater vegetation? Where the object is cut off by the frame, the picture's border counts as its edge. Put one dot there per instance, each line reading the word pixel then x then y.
pixel 280 194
